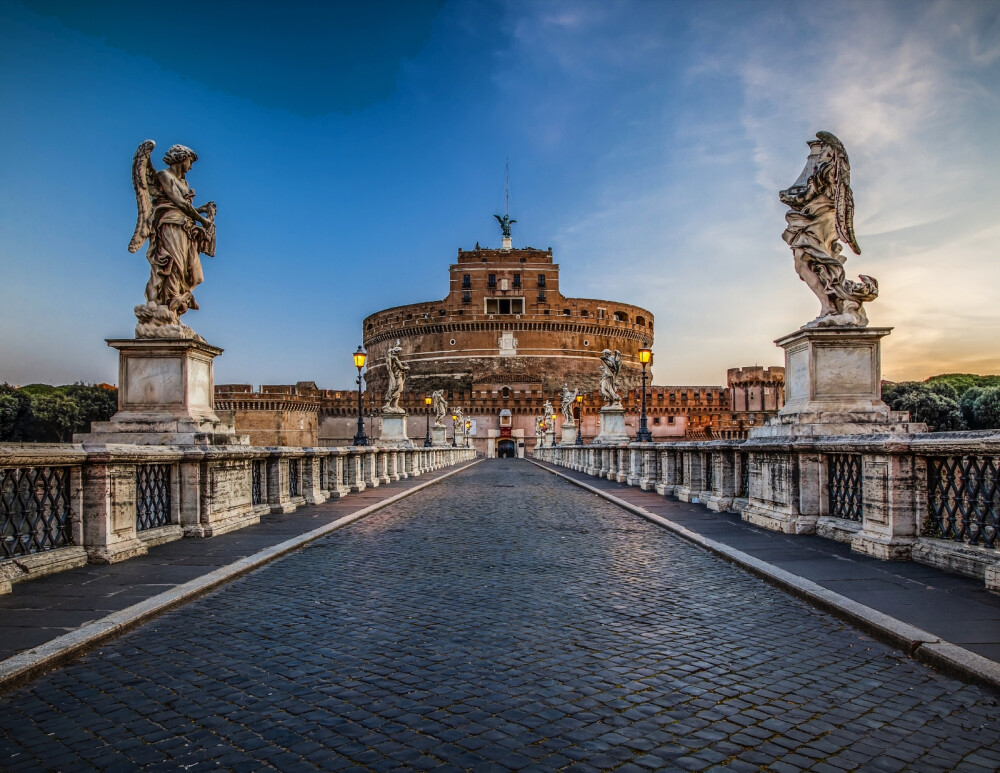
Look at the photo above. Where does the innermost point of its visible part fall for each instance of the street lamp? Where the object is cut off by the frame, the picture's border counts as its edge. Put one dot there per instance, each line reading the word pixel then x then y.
pixel 427 402
pixel 644 435
pixel 579 420
pixel 360 439
pixel 543 427
pixel 468 426
pixel 454 420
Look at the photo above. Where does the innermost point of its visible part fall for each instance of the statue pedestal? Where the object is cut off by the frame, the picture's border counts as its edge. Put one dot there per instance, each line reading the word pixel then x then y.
pixel 612 426
pixel 439 436
pixel 394 430
pixel 833 379
pixel 832 388
pixel 568 433
pixel 165 396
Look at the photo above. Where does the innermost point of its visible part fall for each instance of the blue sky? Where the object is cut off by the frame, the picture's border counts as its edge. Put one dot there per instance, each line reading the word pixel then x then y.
pixel 353 147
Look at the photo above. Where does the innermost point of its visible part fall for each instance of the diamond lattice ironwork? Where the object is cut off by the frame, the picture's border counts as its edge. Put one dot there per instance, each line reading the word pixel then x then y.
pixel 844 486
pixel 744 489
pixel 152 497
pixel 293 477
pixel 963 498
pixel 35 513
pixel 257 482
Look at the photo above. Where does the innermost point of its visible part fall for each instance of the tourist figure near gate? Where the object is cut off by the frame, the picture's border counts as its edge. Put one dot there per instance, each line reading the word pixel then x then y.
pixel 821 212
pixel 177 232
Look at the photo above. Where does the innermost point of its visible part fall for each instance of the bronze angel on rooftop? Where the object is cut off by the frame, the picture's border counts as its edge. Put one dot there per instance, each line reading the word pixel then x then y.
pixel 821 212
pixel 177 232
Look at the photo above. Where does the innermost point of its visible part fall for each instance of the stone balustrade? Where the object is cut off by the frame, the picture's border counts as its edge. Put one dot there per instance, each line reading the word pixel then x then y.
pixel 65 505
pixel 933 498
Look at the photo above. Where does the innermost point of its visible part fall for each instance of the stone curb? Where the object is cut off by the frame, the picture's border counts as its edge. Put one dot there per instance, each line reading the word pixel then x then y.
pixel 27 665
pixel 926 647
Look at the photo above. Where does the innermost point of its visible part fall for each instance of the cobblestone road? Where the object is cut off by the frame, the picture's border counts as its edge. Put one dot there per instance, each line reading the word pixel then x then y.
pixel 503 619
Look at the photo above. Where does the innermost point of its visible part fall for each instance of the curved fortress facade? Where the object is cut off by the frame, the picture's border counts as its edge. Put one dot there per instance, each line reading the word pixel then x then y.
pixel 504 321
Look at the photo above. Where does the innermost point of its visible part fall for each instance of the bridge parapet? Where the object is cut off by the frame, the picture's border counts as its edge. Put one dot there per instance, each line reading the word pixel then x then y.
pixel 933 498
pixel 65 505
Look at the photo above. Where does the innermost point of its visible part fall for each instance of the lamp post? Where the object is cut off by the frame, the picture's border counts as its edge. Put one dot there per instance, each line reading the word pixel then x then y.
pixel 360 439
pixel 454 420
pixel 427 410
pixel 468 426
pixel 644 435
pixel 579 420
pixel 541 442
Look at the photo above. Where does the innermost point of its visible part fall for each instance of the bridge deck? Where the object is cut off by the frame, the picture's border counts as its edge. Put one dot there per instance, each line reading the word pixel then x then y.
pixel 500 619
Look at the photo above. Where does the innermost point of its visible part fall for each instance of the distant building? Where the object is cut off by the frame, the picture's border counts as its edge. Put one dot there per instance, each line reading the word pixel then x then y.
pixel 502 342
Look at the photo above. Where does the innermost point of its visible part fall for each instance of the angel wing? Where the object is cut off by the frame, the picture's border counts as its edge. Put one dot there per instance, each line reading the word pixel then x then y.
pixel 143 178
pixel 843 197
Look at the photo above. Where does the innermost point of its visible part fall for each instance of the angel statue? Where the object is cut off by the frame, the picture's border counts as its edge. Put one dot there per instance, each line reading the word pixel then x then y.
pixel 821 212
pixel 609 373
pixel 568 398
pixel 547 410
pixel 458 422
pixel 397 375
pixel 440 407
pixel 505 224
pixel 177 232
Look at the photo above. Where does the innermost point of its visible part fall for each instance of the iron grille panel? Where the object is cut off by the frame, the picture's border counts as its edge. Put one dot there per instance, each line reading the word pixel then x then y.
pixel 345 472
pixel 679 467
pixel 963 498
pixel 152 496
pixel 709 472
pixel 257 482
pixel 35 510
pixel 744 489
pixel 293 477
pixel 323 473
pixel 844 486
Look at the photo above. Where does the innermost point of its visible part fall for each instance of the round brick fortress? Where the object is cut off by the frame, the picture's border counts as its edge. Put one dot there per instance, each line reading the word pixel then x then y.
pixel 504 321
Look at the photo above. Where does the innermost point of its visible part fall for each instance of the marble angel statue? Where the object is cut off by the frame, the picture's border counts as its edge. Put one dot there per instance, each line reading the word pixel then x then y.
pixel 568 398
pixel 821 212
pixel 177 233
pixel 440 407
pixel 397 371
pixel 611 367
pixel 458 423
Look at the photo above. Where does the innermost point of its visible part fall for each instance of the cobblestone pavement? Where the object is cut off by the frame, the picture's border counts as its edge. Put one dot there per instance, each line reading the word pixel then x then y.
pixel 502 619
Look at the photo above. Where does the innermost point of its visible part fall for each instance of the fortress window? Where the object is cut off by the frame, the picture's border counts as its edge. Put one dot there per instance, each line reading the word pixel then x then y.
pixel 541 296
pixel 640 321
pixel 566 312
pixel 620 316
pixel 504 305
pixel 541 280
pixel 506 393
pixel 466 297
pixel 493 280
pixel 466 282
pixel 601 313
pixel 517 280
pixel 584 313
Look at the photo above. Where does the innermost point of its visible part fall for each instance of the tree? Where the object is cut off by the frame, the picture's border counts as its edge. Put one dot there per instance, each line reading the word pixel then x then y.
pixel 56 417
pixel 986 409
pixel 15 414
pixel 934 404
pixel 968 406
pixel 95 403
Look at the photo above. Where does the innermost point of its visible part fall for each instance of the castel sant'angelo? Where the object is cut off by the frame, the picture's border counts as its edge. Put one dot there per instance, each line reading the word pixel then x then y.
pixel 502 342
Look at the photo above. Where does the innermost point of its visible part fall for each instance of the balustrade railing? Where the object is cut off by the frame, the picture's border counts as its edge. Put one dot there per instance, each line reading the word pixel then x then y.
pixel 34 510
pixel 892 497
pixel 62 505
pixel 963 499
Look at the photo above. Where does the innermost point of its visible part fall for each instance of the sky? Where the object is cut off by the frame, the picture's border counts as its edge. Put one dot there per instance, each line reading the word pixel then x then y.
pixel 353 147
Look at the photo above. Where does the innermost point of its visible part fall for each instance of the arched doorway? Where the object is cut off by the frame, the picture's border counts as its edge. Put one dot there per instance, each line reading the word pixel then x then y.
pixel 506 449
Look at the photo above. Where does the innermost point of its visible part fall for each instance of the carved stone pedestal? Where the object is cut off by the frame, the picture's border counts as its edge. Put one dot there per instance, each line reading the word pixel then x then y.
pixel 612 426
pixel 568 433
pixel 439 436
pixel 165 396
pixel 394 431
pixel 833 381
pixel 832 389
